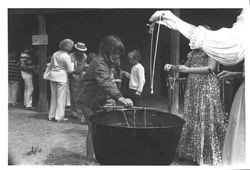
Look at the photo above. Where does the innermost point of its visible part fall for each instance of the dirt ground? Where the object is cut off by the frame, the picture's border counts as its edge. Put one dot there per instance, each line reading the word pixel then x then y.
pixel 53 143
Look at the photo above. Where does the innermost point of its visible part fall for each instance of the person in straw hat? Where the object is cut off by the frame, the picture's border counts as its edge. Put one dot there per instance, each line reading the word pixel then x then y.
pixel 79 57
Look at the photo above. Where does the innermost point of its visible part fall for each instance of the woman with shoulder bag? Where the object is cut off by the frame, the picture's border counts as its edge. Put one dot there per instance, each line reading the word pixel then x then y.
pixel 60 65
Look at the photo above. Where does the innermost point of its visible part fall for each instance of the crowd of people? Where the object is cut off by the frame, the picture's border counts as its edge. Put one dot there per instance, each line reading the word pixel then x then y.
pixel 83 82
pixel 89 81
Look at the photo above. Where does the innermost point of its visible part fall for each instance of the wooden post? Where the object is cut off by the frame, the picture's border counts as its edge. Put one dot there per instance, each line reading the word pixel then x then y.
pixel 42 53
pixel 175 56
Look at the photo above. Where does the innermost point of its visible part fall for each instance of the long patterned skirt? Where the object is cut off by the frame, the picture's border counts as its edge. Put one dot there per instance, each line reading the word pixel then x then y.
pixel 204 131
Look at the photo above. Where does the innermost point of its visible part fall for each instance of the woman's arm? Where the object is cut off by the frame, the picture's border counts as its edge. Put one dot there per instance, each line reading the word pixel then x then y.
pixel 226 45
pixel 126 74
pixel 70 65
pixel 185 28
pixel 199 70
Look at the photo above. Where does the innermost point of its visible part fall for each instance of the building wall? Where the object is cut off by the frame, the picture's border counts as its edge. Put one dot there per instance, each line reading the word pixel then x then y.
pixel 91 25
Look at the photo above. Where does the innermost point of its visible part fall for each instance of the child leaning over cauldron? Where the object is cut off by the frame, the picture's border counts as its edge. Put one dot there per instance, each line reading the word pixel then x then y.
pixel 97 83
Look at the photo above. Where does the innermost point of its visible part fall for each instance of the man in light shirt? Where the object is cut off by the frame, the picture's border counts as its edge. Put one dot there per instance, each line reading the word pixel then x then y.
pixel 136 77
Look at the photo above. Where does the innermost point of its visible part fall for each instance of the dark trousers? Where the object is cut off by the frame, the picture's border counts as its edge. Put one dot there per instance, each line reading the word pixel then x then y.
pixel 134 97
pixel 73 85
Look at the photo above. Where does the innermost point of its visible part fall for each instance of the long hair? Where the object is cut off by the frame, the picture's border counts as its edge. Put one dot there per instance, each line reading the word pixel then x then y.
pixel 111 44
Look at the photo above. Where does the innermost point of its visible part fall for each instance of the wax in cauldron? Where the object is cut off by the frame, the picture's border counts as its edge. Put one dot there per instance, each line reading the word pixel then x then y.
pixel 135 136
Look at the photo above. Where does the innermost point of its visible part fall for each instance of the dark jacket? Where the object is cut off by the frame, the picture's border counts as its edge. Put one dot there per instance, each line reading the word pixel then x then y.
pixel 96 84
pixel 26 63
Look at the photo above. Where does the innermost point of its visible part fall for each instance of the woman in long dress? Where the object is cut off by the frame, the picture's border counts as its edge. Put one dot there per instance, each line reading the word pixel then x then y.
pixel 204 131
pixel 228 47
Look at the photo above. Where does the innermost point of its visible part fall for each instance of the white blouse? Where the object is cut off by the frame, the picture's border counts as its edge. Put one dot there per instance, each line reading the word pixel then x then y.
pixel 226 45
pixel 137 77
pixel 61 65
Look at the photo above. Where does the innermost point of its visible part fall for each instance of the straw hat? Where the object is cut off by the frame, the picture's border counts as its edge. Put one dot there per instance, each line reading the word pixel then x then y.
pixel 80 46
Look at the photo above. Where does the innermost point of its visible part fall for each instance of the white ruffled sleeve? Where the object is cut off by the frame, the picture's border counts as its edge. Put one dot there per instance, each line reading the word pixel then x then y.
pixel 226 45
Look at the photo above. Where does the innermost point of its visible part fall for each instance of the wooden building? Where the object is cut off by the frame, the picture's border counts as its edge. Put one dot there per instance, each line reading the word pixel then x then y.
pixel 91 25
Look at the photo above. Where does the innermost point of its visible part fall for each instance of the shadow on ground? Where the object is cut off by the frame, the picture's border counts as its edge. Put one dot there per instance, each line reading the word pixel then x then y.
pixel 73 130
pixel 61 156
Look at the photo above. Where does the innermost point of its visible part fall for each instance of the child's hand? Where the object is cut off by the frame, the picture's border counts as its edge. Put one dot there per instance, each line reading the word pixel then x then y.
pixel 167 67
pixel 125 73
pixel 126 101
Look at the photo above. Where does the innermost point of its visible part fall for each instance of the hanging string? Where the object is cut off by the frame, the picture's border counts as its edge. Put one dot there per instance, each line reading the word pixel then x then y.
pixel 153 68
pixel 151 51
pixel 172 80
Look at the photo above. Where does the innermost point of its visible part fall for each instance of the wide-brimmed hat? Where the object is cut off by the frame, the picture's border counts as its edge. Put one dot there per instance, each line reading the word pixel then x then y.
pixel 80 46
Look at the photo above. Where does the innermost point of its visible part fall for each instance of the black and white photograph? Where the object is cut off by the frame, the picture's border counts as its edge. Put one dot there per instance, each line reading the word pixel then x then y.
pixel 159 85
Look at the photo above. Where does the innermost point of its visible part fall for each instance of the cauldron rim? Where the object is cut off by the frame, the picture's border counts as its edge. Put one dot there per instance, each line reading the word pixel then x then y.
pixel 182 121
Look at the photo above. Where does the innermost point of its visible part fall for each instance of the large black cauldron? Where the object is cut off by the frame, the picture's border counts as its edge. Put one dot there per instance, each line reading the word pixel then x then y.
pixel 135 136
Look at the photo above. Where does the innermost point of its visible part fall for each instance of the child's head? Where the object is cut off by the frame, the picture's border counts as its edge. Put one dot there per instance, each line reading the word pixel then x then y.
pixel 111 48
pixel 134 57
